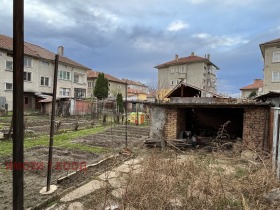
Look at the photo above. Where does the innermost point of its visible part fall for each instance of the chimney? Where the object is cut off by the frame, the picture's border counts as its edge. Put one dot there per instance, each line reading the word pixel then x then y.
pixel 177 57
pixel 192 54
pixel 208 57
pixel 60 50
pixel 257 80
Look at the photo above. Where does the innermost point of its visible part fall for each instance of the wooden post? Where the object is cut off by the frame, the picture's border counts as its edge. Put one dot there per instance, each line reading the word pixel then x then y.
pixel 52 124
pixel 18 112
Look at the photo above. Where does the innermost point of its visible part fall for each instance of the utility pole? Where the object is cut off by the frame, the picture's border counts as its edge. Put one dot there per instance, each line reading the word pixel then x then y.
pixel 18 112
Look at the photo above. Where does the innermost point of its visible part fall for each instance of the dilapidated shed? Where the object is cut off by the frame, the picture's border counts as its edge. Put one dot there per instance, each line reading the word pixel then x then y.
pixel 249 120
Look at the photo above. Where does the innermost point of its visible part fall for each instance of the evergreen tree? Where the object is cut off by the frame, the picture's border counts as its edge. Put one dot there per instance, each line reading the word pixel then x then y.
pixel 102 87
pixel 120 103
pixel 252 94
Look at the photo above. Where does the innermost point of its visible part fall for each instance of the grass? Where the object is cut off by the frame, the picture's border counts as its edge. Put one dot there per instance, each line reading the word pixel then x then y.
pixel 62 140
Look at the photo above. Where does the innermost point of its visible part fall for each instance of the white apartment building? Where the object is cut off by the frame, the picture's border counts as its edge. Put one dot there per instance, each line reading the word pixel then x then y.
pixel 39 73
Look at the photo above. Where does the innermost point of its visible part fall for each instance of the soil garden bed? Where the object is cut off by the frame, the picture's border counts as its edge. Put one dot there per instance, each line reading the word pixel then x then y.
pixel 62 164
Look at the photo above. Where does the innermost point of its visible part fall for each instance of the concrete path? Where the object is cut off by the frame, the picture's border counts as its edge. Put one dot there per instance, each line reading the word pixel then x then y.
pixel 116 178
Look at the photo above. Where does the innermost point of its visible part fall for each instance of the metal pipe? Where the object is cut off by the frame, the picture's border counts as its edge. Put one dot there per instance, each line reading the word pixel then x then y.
pixel 52 124
pixel 18 112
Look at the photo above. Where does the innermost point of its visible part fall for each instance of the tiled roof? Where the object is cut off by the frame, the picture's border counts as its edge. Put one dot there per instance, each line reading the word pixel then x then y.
pixel 94 74
pixel 258 83
pixel 272 41
pixel 135 91
pixel 36 51
pixel 152 94
pixel 131 82
pixel 184 60
pixel 262 46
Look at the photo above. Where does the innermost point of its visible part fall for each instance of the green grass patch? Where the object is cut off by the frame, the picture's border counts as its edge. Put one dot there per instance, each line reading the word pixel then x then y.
pixel 62 140
pixel 240 172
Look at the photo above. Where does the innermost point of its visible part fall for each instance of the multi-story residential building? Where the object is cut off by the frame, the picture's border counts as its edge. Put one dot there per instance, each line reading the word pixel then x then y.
pixel 271 55
pixel 254 89
pixel 115 85
pixel 194 70
pixel 39 74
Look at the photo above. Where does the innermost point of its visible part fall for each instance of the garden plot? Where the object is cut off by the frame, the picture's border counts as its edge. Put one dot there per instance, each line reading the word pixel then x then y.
pixel 70 148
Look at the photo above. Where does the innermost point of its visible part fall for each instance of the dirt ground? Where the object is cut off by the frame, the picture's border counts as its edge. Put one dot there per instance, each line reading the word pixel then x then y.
pixel 64 162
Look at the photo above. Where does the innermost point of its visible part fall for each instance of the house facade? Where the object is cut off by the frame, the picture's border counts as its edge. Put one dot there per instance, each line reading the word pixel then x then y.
pixel 115 85
pixel 39 74
pixel 271 55
pixel 193 70
pixel 136 91
pixel 254 89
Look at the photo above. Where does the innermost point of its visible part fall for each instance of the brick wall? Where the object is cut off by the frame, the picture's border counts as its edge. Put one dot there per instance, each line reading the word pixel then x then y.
pixel 170 130
pixel 255 127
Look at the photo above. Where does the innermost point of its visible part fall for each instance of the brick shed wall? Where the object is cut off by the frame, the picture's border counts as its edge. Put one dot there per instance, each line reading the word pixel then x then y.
pixel 255 127
pixel 170 131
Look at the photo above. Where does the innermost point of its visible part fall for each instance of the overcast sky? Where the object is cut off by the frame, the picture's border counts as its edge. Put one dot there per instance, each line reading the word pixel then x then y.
pixel 127 38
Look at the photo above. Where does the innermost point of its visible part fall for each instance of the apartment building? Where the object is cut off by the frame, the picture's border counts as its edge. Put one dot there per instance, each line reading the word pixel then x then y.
pixel 115 85
pixel 194 70
pixel 271 55
pixel 39 74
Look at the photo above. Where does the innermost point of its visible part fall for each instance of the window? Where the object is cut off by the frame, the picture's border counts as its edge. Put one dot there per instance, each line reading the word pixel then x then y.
pixel 9 65
pixel 172 70
pixel 45 81
pixel 64 91
pixel 109 84
pixel 80 93
pixel 25 100
pixel 76 78
pixel 119 87
pixel 276 57
pixel 182 70
pixel 45 63
pixel 172 82
pixel 66 75
pixel 79 78
pixel 27 76
pixel 8 86
pixel 90 84
pixel 276 76
pixel 27 61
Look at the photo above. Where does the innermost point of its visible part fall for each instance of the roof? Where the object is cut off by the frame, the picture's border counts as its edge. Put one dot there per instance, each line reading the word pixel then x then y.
pixel 270 94
pixel 135 91
pixel 185 60
pixel 152 94
pixel 258 83
pixel 131 82
pixel 194 91
pixel 272 42
pixel 94 74
pixel 6 43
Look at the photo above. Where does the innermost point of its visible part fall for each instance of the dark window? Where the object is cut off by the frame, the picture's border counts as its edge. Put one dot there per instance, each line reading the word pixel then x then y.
pixel 80 93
